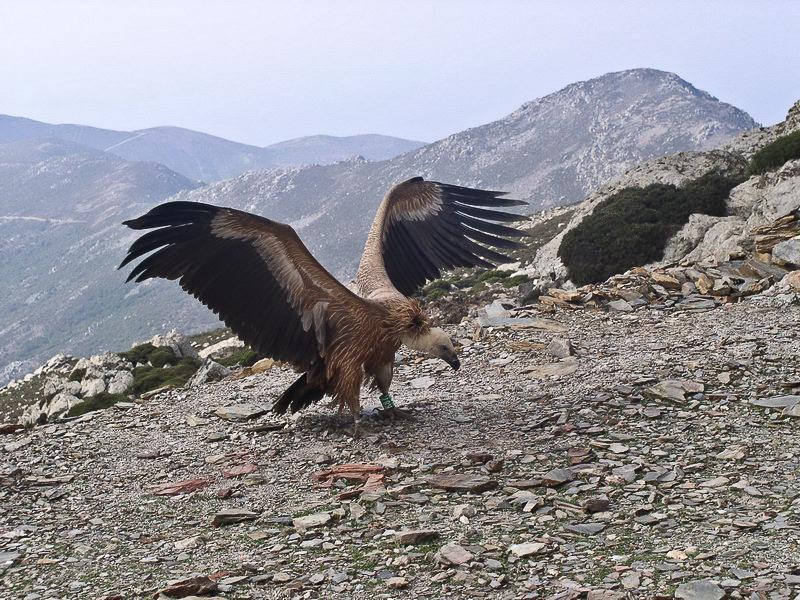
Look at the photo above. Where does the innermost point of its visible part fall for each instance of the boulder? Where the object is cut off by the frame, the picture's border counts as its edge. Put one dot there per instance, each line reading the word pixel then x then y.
pixel 788 252
pixel 209 371
pixel 222 348
pixel 178 342
pixel 92 387
pixel 792 281
pixel 120 382
pixel 49 410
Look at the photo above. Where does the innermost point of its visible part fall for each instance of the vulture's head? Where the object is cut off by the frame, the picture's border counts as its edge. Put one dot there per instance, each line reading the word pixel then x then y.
pixel 436 343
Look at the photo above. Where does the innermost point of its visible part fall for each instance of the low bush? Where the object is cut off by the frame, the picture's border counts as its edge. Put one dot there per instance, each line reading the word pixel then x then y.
pixel 77 375
pixel 776 154
pixel 470 280
pixel 148 354
pixel 96 402
pixel 631 228
pixel 245 357
pixel 146 378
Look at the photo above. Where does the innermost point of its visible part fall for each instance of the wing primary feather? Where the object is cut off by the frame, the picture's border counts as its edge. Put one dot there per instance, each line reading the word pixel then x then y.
pixel 487 227
pixel 490 215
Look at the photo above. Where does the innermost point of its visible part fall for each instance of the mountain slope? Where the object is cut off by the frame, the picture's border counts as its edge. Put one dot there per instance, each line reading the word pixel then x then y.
pixel 60 241
pixel 205 157
pixel 324 149
pixel 551 151
pixel 756 202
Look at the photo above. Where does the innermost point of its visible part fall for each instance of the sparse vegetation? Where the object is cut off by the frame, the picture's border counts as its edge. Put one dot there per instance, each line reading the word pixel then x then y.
pixel 469 281
pixel 148 354
pixel 245 357
pixel 631 228
pixel 776 154
pixel 96 402
pixel 147 377
pixel 77 375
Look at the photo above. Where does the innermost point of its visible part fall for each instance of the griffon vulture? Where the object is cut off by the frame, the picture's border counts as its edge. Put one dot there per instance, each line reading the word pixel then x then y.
pixel 266 286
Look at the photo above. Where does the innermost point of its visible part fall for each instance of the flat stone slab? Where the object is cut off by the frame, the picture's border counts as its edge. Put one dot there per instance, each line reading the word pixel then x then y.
pixel 586 528
pixel 241 412
pixel 564 367
pixel 230 516
pixel 522 323
pixel 458 482
pixel 422 383
pixel 776 402
pixel 673 390
pixel 527 549
pixel 415 536
pixel 453 554
pixel 557 477
pixel 8 558
pixel 313 520
pixel 702 589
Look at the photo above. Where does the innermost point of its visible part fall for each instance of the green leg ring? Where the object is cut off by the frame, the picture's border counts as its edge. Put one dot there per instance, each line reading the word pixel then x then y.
pixel 386 401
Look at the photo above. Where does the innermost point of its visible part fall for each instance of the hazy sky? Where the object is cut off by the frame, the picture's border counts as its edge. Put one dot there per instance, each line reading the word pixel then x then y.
pixel 260 72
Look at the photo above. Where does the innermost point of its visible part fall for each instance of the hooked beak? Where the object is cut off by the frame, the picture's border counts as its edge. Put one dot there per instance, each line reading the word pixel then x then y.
pixel 452 361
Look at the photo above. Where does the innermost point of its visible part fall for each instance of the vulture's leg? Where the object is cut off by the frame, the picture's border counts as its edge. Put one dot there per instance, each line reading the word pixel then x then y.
pixel 350 386
pixel 383 378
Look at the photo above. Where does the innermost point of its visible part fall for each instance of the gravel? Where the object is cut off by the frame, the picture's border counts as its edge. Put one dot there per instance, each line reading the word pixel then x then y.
pixel 598 489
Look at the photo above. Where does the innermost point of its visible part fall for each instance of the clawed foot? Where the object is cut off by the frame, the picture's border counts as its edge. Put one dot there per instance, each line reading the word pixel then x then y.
pixel 393 414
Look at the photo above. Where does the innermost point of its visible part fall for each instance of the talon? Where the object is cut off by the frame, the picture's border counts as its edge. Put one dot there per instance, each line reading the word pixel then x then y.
pixel 394 414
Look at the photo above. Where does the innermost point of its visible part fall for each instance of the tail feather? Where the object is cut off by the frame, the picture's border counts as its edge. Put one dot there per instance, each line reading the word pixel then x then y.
pixel 298 396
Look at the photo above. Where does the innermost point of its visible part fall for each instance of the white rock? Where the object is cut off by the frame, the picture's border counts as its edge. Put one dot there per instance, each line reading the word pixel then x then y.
pixel 104 360
pixel 209 371
pixel 215 350
pixel 527 549
pixel 453 554
pixel 178 342
pixel 421 383
pixel 787 252
pixel 702 589
pixel 120 382
pixel 92 387
pixel 60 404
pixel 311 521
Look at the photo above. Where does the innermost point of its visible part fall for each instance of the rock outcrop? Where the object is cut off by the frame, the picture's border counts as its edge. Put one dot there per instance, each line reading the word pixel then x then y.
pixel 755 206
pixel 64 383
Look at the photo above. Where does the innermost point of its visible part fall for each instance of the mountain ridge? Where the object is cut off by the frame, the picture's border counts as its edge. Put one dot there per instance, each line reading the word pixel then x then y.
pixel 523 153
pixel 202 156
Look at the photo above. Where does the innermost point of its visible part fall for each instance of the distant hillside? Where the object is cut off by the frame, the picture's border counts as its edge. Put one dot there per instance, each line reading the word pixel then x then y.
pixel 205 157
pixel 550 152
pixel 325 149
pixel 60 241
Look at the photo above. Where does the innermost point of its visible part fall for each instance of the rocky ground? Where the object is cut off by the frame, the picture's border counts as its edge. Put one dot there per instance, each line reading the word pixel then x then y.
pixel 580 453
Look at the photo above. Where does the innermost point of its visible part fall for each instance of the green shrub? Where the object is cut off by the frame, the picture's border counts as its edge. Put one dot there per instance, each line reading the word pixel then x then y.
pixel 77 375
pixel 435 294
pixel 146 378
pixel 96 402
pixel 245 357
pixel 776 154
pixel 139 354
pixel 147 353
pixel 163 356
pixel 631 228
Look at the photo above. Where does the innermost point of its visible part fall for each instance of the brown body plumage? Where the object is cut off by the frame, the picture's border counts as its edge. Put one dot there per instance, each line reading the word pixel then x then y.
pixel 266 286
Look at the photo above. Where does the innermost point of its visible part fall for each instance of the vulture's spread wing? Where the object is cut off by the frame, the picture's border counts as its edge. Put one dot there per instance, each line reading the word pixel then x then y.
pixel 424 227
pixel 254 273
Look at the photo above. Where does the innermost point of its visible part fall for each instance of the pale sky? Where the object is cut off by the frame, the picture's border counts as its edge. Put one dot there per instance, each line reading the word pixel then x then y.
pixel 261 72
